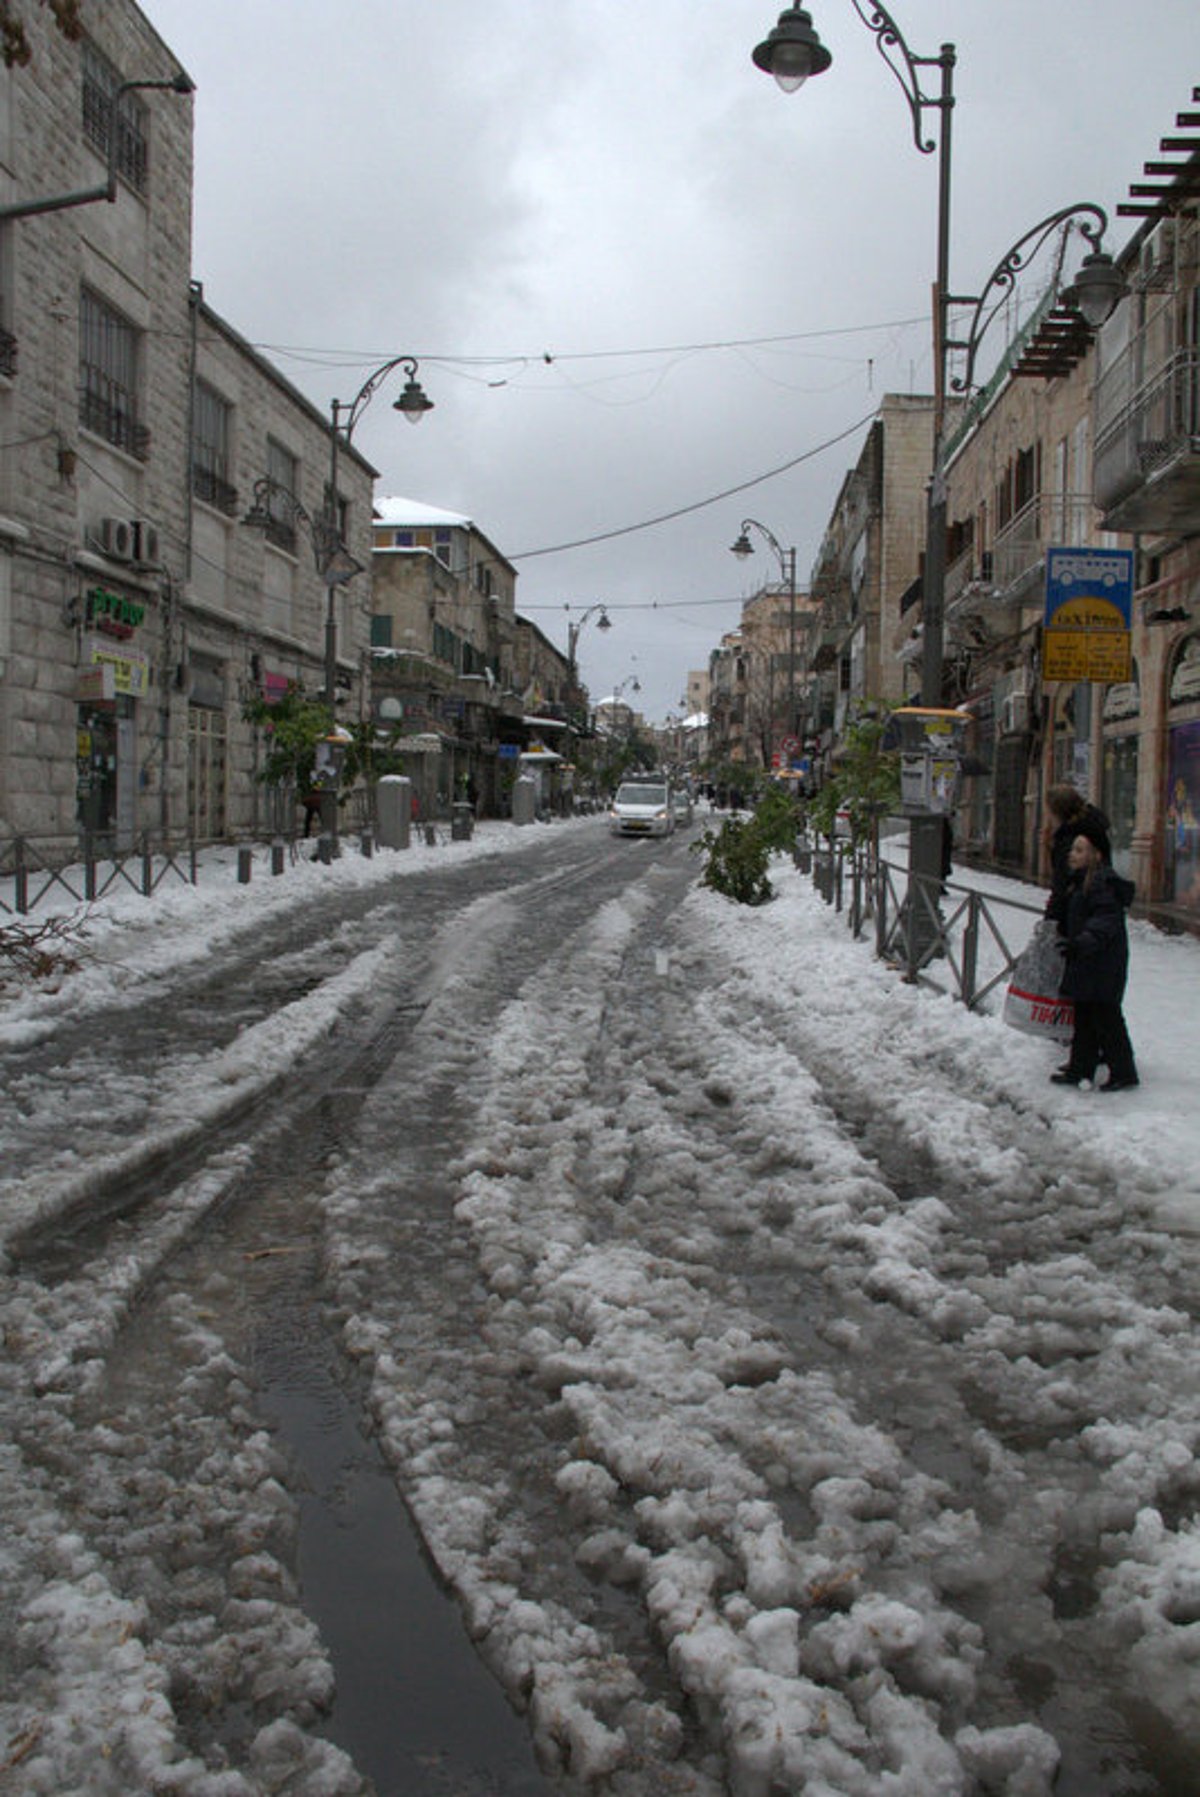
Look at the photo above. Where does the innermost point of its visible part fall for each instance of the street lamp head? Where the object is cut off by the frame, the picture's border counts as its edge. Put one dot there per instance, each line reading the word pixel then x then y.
pixel 1099 288
pixel 414 402
pixel 258 517
pixel 603 622
pixel 742 548
pixel 792 51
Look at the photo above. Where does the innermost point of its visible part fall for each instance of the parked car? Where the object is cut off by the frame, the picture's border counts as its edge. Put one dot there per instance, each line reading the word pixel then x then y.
pixel 642 808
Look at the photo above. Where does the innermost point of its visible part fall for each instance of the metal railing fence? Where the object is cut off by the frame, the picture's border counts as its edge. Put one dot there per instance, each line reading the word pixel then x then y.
pixel 88 869
pixel 954 937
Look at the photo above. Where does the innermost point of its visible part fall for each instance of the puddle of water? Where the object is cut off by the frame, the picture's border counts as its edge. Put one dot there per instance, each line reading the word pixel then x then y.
pixel 415 1707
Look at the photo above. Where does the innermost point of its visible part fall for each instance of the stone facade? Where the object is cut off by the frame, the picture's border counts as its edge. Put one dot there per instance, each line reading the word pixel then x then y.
pixel 461 684
pixel 135 616
pixel 870 560
pixel 1104 455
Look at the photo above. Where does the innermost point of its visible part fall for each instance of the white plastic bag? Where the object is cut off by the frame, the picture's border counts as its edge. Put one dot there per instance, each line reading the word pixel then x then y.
pixel 1033 1002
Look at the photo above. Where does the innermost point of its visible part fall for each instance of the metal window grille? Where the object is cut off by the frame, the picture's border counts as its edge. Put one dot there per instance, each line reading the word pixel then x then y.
pixel 100 82
pixel 108 358
pixel 281 499
pixel 210 450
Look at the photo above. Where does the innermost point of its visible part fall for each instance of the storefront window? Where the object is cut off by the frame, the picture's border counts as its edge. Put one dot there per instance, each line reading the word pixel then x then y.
pixel 96 769
pixel 1119 797
pixel 207 754
pixel 1183 816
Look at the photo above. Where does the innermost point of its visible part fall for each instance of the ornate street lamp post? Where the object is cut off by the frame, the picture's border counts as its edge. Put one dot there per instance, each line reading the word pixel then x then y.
pixel 787 567
pixel 414 404
pixel 603 622
pixel 792 52
pixel 334 563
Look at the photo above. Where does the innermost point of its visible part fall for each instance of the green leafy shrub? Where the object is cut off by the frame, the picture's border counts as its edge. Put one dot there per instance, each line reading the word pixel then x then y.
pixel 738 855
pixel 865 782
pixel 293 725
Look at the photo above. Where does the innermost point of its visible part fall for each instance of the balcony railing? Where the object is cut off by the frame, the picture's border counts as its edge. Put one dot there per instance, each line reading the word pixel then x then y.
pixel 113 417
pixel 214 491
pixel 1147 464
pixel 1006 573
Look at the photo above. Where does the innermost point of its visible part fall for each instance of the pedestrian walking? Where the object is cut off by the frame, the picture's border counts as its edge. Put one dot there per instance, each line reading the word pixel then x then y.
pixel 1097 962
pixel 312 810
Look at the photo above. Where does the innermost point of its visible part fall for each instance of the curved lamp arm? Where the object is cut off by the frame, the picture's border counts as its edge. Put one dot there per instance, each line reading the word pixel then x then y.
pixel 573 629
pixel 413 401
pixel 743 547
pixel 1098 273
pixel 793 51
pixel 890 42
pixel 333 561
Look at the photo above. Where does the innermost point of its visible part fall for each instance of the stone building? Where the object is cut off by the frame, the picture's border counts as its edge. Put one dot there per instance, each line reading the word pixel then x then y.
pixel 866 577
pixel 464 687
pixel 1018 483
pixel 1145 733
pixel 1093 447
pixel 137 615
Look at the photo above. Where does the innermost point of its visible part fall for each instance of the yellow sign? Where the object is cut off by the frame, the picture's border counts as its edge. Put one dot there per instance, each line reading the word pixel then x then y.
pixel 129 673
pixel 1086 639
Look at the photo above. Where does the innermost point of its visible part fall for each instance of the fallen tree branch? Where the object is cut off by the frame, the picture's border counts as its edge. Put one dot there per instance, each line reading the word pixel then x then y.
pixel 41 950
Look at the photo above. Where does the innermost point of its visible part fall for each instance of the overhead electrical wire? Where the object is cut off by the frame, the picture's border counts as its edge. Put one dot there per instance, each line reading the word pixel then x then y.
pixel 351 358
pixel 699 505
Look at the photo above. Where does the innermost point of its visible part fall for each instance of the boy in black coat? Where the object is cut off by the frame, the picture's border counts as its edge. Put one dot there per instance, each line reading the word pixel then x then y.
pixel 1097 962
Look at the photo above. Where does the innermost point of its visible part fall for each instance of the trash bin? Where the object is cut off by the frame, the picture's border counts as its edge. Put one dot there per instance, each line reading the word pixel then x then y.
pixel 524 800
pixel 393 804
pixel 462 821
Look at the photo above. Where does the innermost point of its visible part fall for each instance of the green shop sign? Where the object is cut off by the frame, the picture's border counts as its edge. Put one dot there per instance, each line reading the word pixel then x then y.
pixel 103 604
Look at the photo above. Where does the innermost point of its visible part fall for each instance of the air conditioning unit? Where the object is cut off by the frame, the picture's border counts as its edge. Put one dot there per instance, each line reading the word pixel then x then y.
pixel 117 538
pixel 1014 715
pixel 145 543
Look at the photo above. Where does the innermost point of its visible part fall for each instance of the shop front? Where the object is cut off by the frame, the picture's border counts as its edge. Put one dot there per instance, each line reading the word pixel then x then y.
pixel 1119 770
pixel 1181 860
pixel 114 675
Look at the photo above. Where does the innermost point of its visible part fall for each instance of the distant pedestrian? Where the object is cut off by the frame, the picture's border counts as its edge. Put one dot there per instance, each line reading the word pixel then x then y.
pixel 1097 962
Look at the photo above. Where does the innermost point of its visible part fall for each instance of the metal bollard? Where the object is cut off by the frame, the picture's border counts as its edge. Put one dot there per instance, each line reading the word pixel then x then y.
pixel 367 844
pixel 244 864
pixel 278 852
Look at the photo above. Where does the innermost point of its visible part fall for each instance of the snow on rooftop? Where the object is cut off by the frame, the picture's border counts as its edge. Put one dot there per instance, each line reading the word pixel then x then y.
pixel 397 511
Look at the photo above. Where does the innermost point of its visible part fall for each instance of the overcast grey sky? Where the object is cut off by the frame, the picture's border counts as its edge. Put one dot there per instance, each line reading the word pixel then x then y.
pixel 724 277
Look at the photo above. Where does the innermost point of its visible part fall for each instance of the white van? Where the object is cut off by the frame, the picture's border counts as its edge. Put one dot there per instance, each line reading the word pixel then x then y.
pixel 642 808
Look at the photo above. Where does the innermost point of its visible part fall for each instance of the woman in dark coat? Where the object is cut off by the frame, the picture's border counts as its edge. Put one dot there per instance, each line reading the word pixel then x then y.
pixel 1097 962
pixel 1066 809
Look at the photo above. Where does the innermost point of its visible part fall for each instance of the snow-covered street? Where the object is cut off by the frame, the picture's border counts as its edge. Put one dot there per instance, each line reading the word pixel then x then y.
pixel 795 1390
